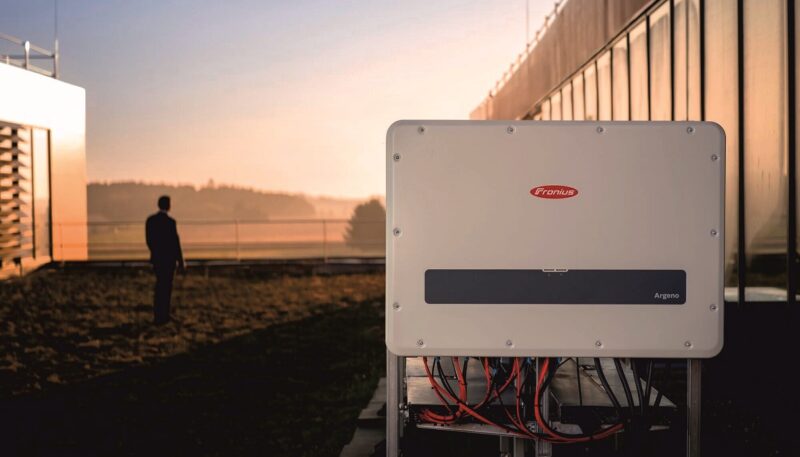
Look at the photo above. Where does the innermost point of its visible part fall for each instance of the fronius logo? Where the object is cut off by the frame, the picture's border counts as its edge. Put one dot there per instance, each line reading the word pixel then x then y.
pixel 667 296
pixel 554 191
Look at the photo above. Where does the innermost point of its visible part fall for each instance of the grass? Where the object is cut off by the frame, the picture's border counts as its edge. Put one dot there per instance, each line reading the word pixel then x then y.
pixel 257 365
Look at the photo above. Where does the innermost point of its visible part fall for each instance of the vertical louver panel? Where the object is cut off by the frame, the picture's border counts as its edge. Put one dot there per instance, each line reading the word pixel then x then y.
pixel 16 223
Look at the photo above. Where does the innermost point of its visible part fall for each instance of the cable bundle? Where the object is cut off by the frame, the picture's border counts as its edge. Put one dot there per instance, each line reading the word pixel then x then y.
pixel 522 372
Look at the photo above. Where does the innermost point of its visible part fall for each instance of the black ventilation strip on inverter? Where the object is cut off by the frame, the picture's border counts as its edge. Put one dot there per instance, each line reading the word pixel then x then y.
pixel 556 286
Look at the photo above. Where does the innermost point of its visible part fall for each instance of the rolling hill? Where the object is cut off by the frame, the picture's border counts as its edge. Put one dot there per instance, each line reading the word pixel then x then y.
pixel 134 201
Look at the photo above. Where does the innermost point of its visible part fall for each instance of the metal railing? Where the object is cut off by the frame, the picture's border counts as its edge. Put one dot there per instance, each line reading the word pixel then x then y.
pixel 28 52
pixel 230 239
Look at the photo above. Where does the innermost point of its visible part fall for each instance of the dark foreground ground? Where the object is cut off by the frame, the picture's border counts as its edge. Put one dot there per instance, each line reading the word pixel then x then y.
pixel 257 364
pixel 270 362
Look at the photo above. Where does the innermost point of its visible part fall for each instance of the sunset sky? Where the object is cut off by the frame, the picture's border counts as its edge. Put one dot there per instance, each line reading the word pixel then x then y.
pixel 288 96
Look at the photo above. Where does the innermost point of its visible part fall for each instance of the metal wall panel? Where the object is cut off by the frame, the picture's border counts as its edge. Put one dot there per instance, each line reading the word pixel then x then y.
pixel 721 61
pixel 620 86
pixel 694 85
pixel 640 100
pixel 578 110
pixel 660 64
pixel 679 60
pixel 765 141
pixel 555 107
pixel 590 86
pixel 604 101
pixel 566 102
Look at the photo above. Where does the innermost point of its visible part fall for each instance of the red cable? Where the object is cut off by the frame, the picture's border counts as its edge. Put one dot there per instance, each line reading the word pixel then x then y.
pixel 442 392
pixel 462 383
pixel 430 415
pixel 522 431
pixel 518 421
pixel 434 417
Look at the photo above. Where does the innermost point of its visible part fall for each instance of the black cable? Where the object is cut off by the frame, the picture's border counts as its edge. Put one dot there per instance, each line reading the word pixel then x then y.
pixel 638 381
pixel 648 390
pixel 433 369
pixel 499 397
pixel 501 367
pixel 627 388
pixel 607 387
pixel 507 429
pixel 639 425
pixel 550 375
pixel 443 377
pixel 668 376
pixel 502 405
pixel 437 367
pixel 578 378
pixel 446 384
pixel 527 383
pixel 464 377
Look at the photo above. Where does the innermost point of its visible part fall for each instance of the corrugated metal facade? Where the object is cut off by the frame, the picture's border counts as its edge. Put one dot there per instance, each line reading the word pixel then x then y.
pixel 581 29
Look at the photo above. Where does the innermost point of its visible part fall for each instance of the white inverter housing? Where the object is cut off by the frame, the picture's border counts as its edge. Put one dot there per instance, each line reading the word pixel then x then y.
pixel 592 239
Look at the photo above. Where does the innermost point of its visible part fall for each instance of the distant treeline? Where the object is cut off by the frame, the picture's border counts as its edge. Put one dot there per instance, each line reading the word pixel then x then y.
pixel 132 201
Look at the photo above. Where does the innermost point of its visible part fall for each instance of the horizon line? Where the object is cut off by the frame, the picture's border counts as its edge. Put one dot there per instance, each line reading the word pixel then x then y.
pixel 234 186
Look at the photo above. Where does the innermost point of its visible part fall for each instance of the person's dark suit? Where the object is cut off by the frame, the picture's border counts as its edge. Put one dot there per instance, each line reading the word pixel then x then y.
pixel 161 233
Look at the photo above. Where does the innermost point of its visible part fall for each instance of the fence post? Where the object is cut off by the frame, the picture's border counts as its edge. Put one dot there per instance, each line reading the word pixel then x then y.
pixel 55 59
pixel 61 240
pixel 27 47
pixel 324 241
pixel 238 254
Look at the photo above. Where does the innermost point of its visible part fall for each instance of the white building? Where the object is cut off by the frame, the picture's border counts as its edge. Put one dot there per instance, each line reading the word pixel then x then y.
pixel 42 163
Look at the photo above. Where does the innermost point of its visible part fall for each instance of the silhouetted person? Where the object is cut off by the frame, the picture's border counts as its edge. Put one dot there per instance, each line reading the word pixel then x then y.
pixel 161 233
